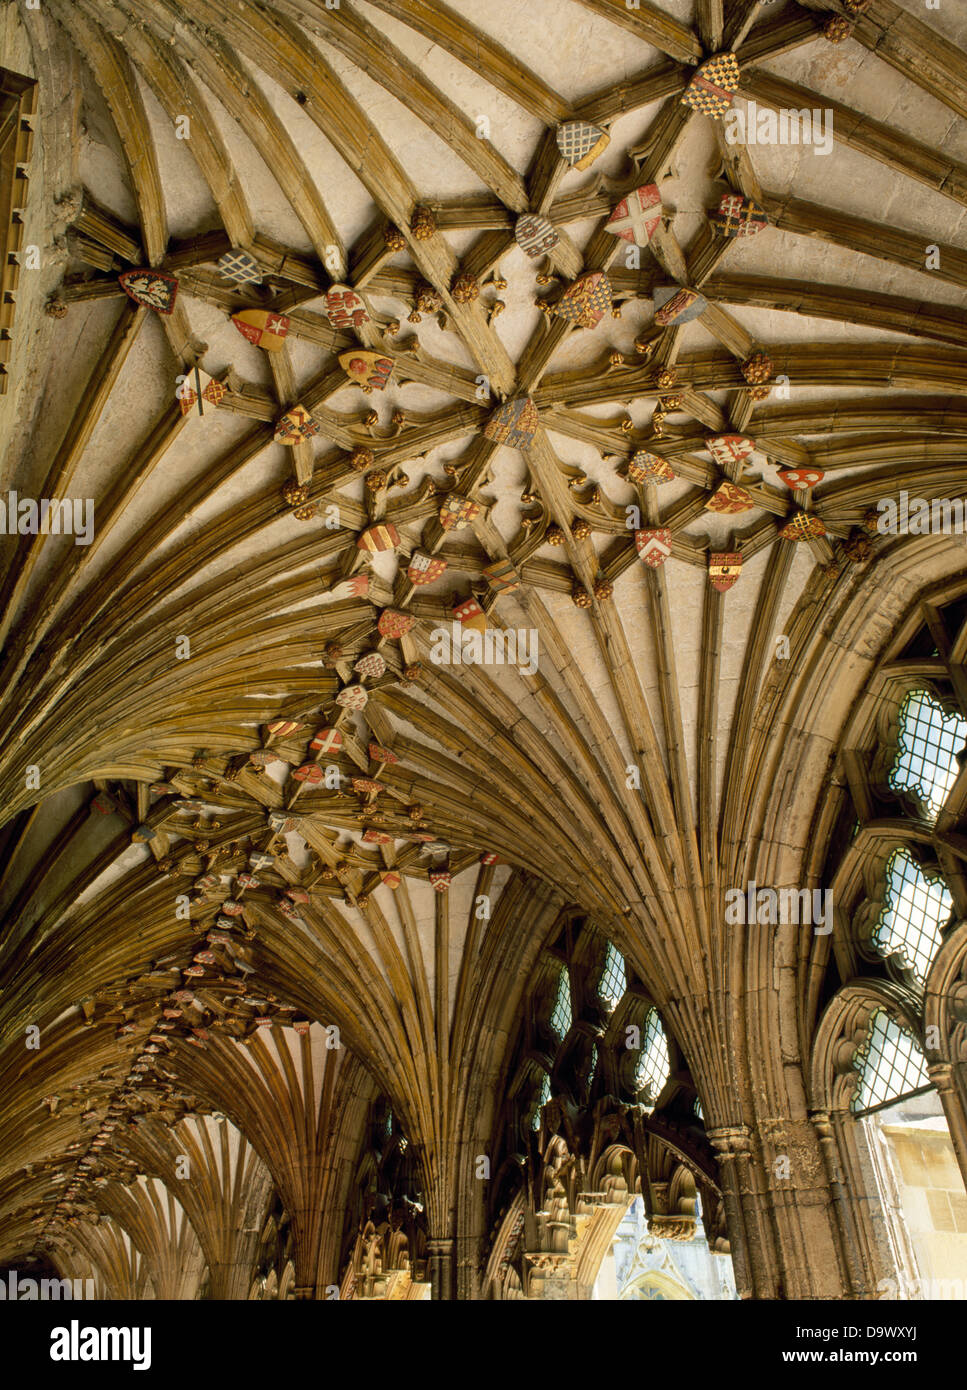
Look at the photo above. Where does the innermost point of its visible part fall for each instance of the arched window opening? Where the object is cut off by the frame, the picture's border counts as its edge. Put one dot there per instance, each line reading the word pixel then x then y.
pixel 654 1066
pixel 927 746
pixel 542 1100
pixel 890 1064
pixel 561 1014
pixel 614 978
pixel 916 908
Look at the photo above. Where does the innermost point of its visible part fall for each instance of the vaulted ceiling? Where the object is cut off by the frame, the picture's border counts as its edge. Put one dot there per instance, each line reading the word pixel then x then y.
pixel 163 685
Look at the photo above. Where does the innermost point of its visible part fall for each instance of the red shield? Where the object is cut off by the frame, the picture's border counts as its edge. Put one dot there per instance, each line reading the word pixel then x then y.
pixel 345 308
pixel 469 612
pixel 394 624
pixel 379 754
pixel 724 567
pixel 423 568
pixel 801 477
pixel 363 786
pixel 309 772
pixel 654 545
pixel 326 741
pixel 379 538
pixel 636 217
pixel 729 448
pixel 377 837
pixel 728 498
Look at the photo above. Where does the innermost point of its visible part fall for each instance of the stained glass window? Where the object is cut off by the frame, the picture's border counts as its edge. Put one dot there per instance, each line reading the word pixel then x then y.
pixel 614 978
pixel 928 742
pixel 891 1064
pixel 653 1064
pixel 916 908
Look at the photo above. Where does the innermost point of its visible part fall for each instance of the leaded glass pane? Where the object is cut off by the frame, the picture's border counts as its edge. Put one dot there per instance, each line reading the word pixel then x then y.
pixel 916 908
pixel 653 1064
pixel 928 742
pixel 614 979
pixel 891 1064
pixel 561 1013
pixel 542 1100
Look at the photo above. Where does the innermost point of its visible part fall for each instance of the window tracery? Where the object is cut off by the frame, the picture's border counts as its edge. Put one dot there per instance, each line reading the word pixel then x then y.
pixel 928 741
pixel 891 999
pixel 653 1064
pixel 890 1064
pixel 593 1072
pixel 384 1246
pixel 916 907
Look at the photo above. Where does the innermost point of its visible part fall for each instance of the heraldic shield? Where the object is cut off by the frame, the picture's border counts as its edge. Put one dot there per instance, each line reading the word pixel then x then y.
pixel 262 327
pixel 198 390
pixel 514 423
pixel 736 216
pixel 804 526
pixel 457 512
pixel 580 143
pixel 654 546
pixel 423 568
pixel 240 267
pixel 713 86
pixel 345 307
pixel 152 288
pixel 294 426
pixel 394 624
pixel 728 498
pixel 724 567
pixel 675 304
pixel 729 448
pixel 801 477
pixel 535 234
pixel 636 217
pixel 585 301
pixel 502 576
pixel 370 370
pixel 647 467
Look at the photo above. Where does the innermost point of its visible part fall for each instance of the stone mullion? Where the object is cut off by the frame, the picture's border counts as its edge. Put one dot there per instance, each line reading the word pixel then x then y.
pixel 948 1078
